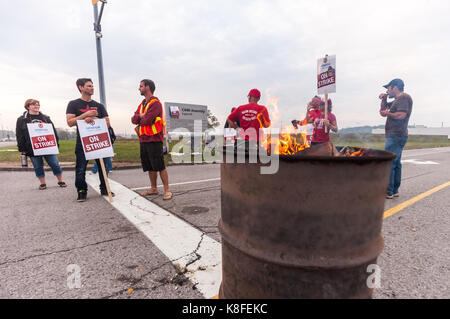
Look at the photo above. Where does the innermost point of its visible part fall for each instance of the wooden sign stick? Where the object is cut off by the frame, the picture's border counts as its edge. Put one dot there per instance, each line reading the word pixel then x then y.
pixel 326 111
pixel 102 164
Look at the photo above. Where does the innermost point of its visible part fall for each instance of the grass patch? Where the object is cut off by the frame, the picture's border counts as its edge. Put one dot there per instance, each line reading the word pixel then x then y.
pixel 127 151
pixel 376 141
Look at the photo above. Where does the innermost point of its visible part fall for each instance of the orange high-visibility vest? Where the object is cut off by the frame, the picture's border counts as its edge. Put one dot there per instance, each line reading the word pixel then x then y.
pixel 156 127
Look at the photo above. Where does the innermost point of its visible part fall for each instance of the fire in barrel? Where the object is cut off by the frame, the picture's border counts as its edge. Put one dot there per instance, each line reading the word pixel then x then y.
pixel 311 230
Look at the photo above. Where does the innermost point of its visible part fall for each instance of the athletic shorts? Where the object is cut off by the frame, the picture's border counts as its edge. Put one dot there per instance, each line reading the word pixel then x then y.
pixel 152 157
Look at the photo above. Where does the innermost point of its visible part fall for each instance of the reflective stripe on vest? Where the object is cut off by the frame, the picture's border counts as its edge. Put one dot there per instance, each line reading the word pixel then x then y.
pixel 153 129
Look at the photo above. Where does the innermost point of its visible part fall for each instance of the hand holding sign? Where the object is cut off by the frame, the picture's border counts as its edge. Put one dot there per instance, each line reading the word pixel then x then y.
pixel 96 143
pixel 91 113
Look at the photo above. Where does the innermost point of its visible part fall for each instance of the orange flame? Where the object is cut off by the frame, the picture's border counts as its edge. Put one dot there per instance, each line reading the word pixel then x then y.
pixel 272 107
pixel 358 153
pixel 290 142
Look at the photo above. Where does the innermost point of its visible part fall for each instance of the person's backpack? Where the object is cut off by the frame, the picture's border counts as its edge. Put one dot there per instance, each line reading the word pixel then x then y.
pixel 111 134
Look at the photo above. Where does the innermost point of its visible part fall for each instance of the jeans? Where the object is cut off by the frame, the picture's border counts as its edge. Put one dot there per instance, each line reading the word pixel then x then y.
pixel 38 164
pixel 108 165
pixel 80 171
pixel 395 144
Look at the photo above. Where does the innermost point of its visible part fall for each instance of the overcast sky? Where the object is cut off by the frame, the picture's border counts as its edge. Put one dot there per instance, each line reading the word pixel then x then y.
pixel 213 52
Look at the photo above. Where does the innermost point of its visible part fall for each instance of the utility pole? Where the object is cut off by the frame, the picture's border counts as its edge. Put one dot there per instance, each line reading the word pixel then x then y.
pixel 98 36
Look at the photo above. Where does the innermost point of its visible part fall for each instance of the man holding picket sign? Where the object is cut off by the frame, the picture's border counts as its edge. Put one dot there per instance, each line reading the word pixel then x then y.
pixel 86 110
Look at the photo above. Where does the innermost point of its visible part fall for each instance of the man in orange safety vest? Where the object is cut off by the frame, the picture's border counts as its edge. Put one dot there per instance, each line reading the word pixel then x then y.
pixel 150 129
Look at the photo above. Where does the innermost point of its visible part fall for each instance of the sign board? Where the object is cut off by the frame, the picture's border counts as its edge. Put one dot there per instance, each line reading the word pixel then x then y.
pixel 326 75
pixel 229 135
pixel 42 139
pixel 182 116
pixel 95 139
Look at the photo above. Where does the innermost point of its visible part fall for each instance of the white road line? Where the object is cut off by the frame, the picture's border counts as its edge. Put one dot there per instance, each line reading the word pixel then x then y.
pixel 438 151
pixel 417 162
pixel 183 183
pixel 186 247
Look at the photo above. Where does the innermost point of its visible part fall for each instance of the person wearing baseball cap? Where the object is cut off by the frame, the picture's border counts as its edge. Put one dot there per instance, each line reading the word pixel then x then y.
pixel 251 117
pixel 397 115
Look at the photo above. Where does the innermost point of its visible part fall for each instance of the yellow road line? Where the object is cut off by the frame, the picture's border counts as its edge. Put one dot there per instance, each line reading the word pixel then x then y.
pixel 396 209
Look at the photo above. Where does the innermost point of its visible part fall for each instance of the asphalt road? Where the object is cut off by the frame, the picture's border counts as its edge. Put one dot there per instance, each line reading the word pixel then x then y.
pixel 47 237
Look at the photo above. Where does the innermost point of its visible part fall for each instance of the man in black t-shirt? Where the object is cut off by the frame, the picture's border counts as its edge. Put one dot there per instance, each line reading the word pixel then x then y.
pixel 86 109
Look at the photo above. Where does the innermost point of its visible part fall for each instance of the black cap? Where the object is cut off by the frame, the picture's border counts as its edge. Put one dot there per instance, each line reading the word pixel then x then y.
pixel 395 82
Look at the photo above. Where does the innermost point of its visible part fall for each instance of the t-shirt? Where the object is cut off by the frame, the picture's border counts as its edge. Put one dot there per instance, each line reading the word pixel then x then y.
pixel 395 127
pixel 319 135
pixel 247 117
pixel 36 118
pixel 80 106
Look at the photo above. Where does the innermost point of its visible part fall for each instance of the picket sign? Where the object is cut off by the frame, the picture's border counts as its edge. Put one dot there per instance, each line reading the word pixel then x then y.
pixel 42 139
pixel 326 79
pixel 230 136
pixel 96 144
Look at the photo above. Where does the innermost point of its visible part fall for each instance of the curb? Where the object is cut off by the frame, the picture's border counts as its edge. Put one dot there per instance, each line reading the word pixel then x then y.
pixel 72 168
pixel 64 168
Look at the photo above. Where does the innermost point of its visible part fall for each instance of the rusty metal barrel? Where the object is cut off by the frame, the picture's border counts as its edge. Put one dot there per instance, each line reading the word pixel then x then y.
pixel 308 231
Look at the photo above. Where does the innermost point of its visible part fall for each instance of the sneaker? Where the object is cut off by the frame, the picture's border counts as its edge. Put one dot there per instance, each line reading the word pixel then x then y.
pixel 389 196
pixel 396 194
pixel 82 195
pixel 104 192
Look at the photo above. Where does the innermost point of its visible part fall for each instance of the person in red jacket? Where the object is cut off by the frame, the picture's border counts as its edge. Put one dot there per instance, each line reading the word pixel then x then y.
pixel 251 117
pixel 317 118
pixel 150 129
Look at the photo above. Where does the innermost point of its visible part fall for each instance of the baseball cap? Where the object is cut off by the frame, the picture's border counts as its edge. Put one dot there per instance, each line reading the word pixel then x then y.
pixel 395 82
pixel 254 93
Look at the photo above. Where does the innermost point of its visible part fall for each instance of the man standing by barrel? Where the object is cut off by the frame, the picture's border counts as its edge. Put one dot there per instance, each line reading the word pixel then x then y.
pixel 150 129
pixel 397 113
pixel 251 117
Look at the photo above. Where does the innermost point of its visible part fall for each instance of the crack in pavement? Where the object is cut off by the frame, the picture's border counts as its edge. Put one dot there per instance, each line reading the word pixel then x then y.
pixel 65 250
pixel 180 271
pixel 193 191
pixel 143 208
pixel 137 280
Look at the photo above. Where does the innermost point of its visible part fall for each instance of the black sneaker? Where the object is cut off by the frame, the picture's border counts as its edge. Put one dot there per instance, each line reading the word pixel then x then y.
pixel 104 192
pixel 82 195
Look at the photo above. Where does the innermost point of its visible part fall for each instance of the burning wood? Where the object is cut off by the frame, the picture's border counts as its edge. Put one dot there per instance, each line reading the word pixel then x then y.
pixel 296 144
pixel 353 152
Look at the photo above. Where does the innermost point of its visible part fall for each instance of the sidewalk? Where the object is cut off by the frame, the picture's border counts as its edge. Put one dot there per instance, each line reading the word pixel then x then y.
pixel 67 166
